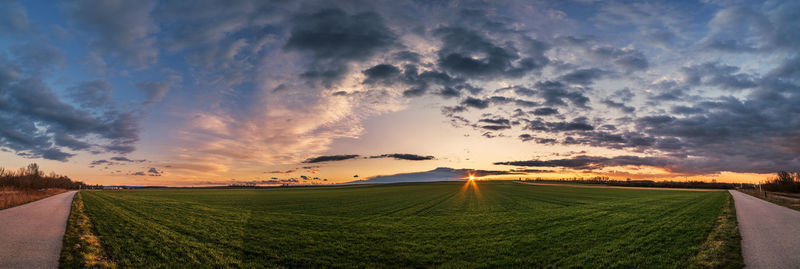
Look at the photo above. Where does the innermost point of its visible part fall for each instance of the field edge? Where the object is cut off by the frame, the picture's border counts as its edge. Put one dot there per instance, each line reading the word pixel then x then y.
pixel 28 200
pixel 81 247
pixel 722 248
pixel 780 202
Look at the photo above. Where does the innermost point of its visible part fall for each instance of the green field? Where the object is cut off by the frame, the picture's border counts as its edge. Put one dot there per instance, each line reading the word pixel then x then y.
pixel 404 225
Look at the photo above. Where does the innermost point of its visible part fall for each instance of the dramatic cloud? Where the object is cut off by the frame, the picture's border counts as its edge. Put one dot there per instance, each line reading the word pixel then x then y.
pixel 125 159
pixel 468 53
pixel 37 124
pixel 330 158
pixel 333 38
pixel 154 91
pixel 402 156
pixel 590 162
pixel 123 30
pixel 221 88
pixel 91 94
pixel 13 18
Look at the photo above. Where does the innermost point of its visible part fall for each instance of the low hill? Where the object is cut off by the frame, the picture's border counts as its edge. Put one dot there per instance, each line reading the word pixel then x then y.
pixel 438 174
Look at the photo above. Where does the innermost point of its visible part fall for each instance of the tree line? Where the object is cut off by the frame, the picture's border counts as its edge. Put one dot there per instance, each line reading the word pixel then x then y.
pixel 604 180
pixel 32 177
pixel 784 182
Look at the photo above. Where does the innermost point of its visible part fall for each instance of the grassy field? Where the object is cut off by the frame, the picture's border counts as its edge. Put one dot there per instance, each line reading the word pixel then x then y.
pixel 451 224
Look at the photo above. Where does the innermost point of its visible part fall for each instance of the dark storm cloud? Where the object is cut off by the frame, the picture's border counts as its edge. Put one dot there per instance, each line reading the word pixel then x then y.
pixel 408 56
pixel 13 18
pixel 125 159
pixel 761 125
pixel 475 103
pixel 114 161
pixel 738 29
pixel 583 76
pixel 539 125
pixel 621 140
pixel 495 124
pixel 38 57
pixel 685 110
pixel 620 106
pixel 100 162
pixel 91 94
pixel 381 72
pixel 501 100
pixel 122 30
pixel 418 82
pixel 32 114
pixel 531 171
pixel 405 156
pixel 333 38
pixel 285 172
pixel 495 127
pixel 591 162
pixel 545 111
pixel 469 53
pixel 715 74
pixel 630 60
pixel 538 140
pixel 449 92
pixel 154 91
pixel 69 141
pixel 668 91
pixel 38 124
pixel 555 93
pixel 499 121
pixel 330 158
pixel 153 172
pixel 484 173
pixel 451 110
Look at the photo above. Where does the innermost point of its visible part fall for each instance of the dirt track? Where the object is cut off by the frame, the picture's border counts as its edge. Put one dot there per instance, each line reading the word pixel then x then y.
pixel 31 234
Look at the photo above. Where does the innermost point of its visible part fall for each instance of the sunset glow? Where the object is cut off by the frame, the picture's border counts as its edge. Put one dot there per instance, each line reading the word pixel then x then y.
pixel 322 92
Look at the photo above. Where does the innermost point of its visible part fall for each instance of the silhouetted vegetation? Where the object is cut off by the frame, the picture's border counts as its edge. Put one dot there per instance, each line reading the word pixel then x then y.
pixel 32 177
pixel 11 197
pixel 643 183
pixel 784 182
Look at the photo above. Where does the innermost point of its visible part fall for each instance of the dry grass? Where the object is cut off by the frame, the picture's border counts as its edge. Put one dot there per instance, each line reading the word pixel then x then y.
pixel 10 197
pixel 789 200
pixel 722 248
pixel 82 248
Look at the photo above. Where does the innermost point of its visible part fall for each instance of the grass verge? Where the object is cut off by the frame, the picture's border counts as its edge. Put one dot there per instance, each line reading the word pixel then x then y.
pixel 82 248
pixel 774 198
pixel 722 248
pixel 10 197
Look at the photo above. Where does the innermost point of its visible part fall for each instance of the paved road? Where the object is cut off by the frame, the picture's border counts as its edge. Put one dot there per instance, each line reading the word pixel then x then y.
pixel 31 234
pixel 770 233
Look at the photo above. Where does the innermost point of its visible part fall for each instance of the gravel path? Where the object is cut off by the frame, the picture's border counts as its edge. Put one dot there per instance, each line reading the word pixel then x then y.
pixel 770 233
pixel 31 234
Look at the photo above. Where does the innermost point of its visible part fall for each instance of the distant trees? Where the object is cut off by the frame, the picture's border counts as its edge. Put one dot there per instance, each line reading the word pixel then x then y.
pixel 604 180
pixel 784 182
pixel 32 177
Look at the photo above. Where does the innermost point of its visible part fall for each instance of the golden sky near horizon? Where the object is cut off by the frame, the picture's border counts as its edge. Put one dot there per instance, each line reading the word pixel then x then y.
pixel 158 93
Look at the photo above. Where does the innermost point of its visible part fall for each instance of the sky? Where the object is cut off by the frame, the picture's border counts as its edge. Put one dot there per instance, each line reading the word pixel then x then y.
pixel 316 92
